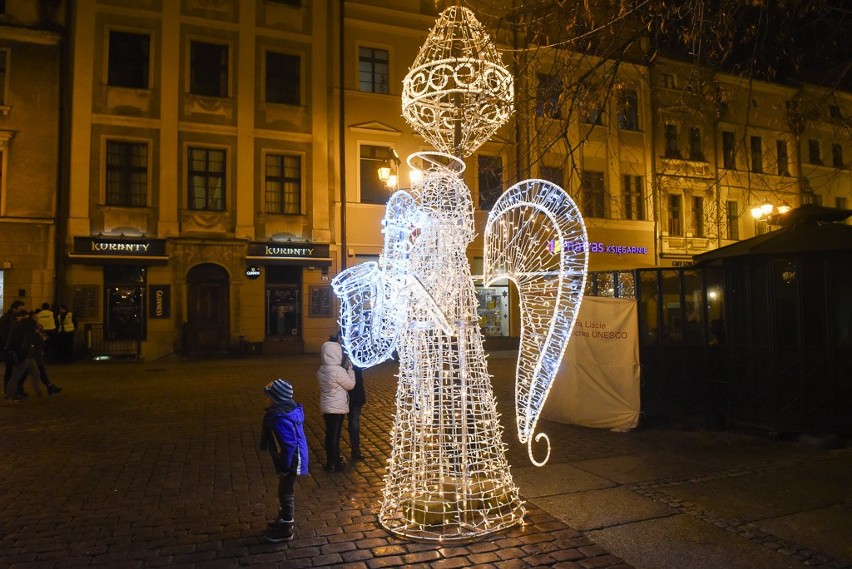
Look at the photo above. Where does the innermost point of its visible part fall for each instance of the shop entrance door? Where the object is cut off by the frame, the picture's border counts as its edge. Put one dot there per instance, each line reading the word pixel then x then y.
pixel 283 310
pixel 208 313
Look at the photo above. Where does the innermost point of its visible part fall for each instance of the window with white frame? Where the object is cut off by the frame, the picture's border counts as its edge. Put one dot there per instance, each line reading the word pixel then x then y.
pixel 283 183
pixel 208 69
pixel 129 57
pixel 126 173
pixel 283 78
pixel 206 178
pixel 373 70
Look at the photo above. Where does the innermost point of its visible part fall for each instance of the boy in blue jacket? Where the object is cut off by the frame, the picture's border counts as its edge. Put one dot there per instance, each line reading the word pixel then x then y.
pixel 283 435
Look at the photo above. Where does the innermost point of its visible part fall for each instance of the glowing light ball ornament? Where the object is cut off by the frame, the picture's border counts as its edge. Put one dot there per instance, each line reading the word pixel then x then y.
pixel 448 478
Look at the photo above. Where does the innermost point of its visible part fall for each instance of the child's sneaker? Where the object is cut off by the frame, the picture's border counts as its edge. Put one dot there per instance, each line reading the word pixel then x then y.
pixel 280 531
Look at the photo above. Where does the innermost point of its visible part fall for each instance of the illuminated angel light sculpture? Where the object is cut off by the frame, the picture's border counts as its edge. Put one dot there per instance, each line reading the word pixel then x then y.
pixel 448 478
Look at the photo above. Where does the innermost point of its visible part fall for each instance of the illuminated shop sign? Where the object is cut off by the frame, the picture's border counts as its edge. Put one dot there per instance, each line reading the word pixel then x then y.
pixel 160 301
pixel 288 250
pixel 555 246
pixel 119 247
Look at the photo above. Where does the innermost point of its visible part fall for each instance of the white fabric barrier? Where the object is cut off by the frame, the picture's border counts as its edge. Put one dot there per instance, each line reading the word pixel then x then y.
pixel 598 382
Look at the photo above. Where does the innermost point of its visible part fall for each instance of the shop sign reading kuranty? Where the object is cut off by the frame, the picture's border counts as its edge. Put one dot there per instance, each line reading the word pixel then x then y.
pixel 275 250
pixel 119 247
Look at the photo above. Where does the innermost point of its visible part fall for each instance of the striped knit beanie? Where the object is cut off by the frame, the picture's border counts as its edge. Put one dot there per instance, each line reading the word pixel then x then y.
pixel 279 390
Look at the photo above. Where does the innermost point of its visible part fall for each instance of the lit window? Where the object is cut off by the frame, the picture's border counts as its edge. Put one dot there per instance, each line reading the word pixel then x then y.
pixel 206 180
pixel 208 74
pixel 283 184
pixel 373 70
pixel 129 56
pixel 126 173
pixel 283 79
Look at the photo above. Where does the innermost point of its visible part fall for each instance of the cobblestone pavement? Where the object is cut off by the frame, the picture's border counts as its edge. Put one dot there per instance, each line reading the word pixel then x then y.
pixel 156 464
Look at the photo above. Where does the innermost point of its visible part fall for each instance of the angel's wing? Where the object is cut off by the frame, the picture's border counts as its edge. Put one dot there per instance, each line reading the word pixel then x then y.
pixel 374 296
pixel 535 236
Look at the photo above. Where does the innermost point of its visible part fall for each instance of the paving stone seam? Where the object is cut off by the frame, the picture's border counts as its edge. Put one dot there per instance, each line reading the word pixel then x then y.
pixel 747 530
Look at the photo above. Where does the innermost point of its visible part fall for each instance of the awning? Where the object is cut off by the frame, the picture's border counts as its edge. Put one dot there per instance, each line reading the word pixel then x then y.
pixel 291 261
pixel 117 259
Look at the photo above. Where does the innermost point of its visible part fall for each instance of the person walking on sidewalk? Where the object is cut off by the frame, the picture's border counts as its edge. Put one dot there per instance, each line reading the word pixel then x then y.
pixel 335 378
pixel 19 345
pixel 47 320
pixel 6 322
pixel 40 340
pixel 283 435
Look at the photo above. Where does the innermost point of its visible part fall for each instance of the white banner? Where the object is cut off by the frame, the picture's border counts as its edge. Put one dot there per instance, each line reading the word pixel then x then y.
pixel 598 382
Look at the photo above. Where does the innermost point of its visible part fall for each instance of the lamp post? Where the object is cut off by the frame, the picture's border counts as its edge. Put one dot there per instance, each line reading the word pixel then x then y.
pixel 389 171
pixel 766 213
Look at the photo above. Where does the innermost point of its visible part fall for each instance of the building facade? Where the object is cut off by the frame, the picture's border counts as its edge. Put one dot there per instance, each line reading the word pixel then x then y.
pixel 30 73
pixel 223 164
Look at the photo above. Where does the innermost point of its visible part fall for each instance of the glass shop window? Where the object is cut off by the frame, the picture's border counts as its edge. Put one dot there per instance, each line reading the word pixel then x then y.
pixel 124 302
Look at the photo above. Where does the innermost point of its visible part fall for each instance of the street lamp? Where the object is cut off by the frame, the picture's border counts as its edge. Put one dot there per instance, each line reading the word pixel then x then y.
pixel 766 214
pixel 389 171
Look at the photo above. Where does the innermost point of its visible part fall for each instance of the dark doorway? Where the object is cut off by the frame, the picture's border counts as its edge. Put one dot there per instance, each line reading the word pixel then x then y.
pixel 283 310
pixel 124 305
pixel 208 314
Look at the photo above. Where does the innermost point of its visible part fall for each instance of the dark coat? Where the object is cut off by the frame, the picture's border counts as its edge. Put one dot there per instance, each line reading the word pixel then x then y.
pixel 358 397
